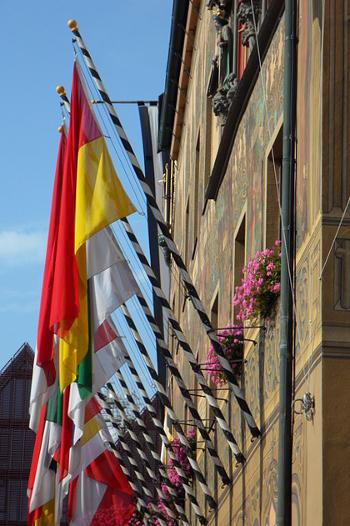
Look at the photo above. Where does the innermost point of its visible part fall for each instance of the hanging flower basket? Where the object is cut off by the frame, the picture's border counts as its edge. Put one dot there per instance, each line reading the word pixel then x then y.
pixel 260 287
pixel 232 345
pixel 181 453
pixel 136 519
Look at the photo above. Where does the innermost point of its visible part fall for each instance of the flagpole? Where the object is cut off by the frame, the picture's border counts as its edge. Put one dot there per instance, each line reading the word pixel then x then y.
pixel 143 506
pixel 131 460
pixel 150 471
pixel 103 403
pixel 192 408
pixel 153 207
pixel 159 426
pixel 62 94
pixel 210 397
pixel 147 437
pixel 166 402
pixel 177 330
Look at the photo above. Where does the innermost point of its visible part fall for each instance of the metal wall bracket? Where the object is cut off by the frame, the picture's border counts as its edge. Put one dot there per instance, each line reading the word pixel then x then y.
pixel 306 406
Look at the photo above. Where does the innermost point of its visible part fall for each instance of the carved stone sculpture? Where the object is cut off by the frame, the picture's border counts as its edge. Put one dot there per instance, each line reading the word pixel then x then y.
pixel 221 103
pixel 224 96
pixel 221 4
pixel 233 84
pixel 248 19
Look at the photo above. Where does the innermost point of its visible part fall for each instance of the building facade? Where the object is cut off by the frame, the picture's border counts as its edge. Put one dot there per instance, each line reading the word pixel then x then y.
pixel 221 123
pixel 16 439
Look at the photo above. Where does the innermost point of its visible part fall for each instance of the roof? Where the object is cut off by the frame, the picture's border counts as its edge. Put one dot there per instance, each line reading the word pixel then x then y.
pixel 177 35
pixel 21 362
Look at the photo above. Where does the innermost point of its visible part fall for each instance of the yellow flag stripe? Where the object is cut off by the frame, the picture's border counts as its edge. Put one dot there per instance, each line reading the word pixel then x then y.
pixel 100 197
pixel 47 517
pixel 91 428
pixel 74 347
pixel 100 200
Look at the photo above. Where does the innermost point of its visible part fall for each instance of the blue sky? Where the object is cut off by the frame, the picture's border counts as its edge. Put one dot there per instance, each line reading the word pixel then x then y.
pixel 129 43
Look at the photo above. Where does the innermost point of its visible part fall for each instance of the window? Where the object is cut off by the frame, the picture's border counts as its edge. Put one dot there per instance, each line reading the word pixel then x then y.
pixel 239 256
pixel 273 194
pixel 4 448
pixel 187 231
pixel 208 143
pixel 245 23
pixel 241 54
pixel 195 195
pixel 21 388
pixel 236 24
pixel 226 52
pixel 2 498
pixel 214 315
pixel 172 338
pixel 16 500
pixel 5 400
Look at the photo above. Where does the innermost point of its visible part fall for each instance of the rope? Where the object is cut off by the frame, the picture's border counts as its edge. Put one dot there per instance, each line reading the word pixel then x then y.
pixel 284 241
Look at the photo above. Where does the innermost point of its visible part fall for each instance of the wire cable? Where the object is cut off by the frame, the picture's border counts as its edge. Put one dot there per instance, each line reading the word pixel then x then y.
pixel 284 241
pixel 111 128
pixel 334 239
pixel 141 199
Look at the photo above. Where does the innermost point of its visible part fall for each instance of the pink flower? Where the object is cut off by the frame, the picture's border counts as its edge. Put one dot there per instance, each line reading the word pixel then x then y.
pixel 231 342
pixel 259 287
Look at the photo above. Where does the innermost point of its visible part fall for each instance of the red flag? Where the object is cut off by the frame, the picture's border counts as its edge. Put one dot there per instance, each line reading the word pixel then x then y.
pixel 45 348
pixel 82 129
pixel 117 501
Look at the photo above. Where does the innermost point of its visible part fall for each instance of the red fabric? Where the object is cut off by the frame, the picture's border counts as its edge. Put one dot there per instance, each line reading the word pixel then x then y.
pixel 92 409
pixel 103 336
pixel 60 293
pixel 86 127
pixel 35 515
pixel 65 293
pixel 36 452
pixel 82 129
pixel 45 350
pixel 241 58
pixel 62 454
pixel 117 504
pixel 71 497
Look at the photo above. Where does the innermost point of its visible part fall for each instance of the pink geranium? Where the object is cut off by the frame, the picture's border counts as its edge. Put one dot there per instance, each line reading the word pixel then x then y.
pixel 181 453
pixel 260 286
pixel 232 346
pixel 158 509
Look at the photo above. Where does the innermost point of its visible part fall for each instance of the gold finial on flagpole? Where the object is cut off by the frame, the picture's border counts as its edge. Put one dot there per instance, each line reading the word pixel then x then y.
pixel 60 90
pixel 72 24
